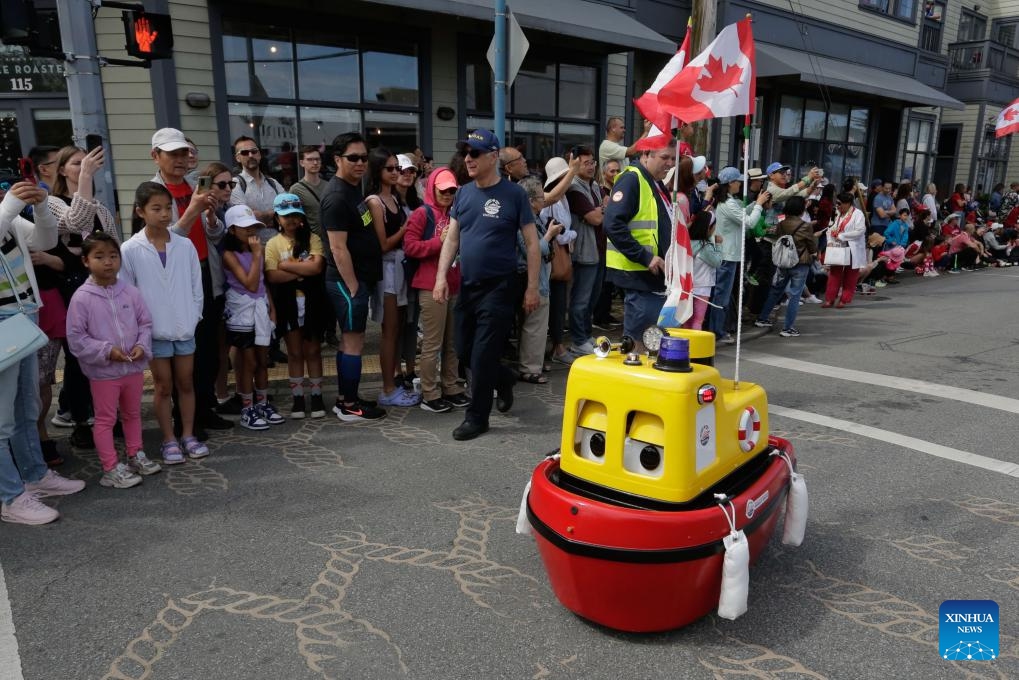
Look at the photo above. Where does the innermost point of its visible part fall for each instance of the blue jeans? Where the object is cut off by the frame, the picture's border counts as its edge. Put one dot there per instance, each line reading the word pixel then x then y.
pixel 725 275
pixel 640 310
pixel 19 409
pixel 796 279
pixel 582 297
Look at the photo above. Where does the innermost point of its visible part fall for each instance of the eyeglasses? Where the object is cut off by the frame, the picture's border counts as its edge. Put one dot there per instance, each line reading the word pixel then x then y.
pixel 224 185
pixel 447 192
pixel 409 171
pixel 48 163
pixel 356 157
pixel 511 162
pixel 316 159
pixel 473 153
pixel 287 205
pixel 249 152
pixel 391 168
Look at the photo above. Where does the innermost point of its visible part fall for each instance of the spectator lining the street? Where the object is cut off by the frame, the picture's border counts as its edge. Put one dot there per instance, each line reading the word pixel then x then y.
pixel 707 258
pixel 849 229
pixel 534 330
pixel 409 189
pixel 794 278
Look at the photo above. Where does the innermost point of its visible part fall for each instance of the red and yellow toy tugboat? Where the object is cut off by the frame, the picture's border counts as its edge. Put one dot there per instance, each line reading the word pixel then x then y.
pixel 663 465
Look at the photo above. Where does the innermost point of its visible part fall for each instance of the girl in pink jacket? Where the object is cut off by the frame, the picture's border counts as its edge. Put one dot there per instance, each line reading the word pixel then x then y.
pixel 110 331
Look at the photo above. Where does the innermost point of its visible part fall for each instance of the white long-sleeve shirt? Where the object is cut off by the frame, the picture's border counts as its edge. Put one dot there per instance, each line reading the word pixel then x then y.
pixel 172 293
pixel 38 236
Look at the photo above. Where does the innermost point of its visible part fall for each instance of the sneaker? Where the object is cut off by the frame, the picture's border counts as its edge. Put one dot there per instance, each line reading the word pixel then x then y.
pixel 269 413
pixel 931 274
pixel 789 333
pixel 457 400
pixel 232 406
pixel 140 464
pixel 399 397
pixel 297 408
pixel 728 339
pixel 120 477
pixel 62 419
pixel 26 509
pixel 954 271
pixel 252 419
pixel 899 270
pixel 812 299
pixel 763 323
pixel 194 448
pixel 318 408
pixel 751 279
pixel 53 484
pixel 438 405
pixel 171 453
pixel 359 410
pixel 867 289
pixel 581 350
pixel 565 358
pixel 880 284
pixel 81 438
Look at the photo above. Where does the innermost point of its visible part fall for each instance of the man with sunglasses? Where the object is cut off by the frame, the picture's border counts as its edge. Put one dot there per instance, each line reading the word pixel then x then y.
pixel 484 221
pixel 353 267
pixel 254 189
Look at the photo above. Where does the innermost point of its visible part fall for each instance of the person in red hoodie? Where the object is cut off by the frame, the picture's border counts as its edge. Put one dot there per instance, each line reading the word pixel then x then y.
pixel 422 243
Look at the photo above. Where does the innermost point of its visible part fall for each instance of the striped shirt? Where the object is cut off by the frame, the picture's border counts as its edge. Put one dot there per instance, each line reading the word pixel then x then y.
pixel 15 259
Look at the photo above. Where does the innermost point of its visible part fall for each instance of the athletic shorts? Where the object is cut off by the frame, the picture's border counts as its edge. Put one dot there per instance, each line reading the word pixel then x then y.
pixel 351 311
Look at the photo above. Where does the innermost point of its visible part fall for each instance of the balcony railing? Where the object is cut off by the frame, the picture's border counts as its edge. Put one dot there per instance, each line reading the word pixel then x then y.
pixel 981 55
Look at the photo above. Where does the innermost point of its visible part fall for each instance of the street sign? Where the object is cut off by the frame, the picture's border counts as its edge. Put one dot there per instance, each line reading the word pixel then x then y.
pixel 518 46
pixel 149 36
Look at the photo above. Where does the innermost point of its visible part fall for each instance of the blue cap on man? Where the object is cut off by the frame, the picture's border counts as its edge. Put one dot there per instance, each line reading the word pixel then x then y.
pixel 483 140
pixel 776 166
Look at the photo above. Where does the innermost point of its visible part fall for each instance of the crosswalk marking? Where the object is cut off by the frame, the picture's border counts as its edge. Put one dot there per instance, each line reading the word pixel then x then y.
pixel 10 661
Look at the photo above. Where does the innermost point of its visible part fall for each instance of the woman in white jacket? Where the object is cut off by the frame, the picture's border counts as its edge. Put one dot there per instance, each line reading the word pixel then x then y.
pixel 849 231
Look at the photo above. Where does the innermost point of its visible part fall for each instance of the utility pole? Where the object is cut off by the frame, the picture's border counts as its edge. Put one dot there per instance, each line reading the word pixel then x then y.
pixel 704 13
pixel 85 86
pixel 500 71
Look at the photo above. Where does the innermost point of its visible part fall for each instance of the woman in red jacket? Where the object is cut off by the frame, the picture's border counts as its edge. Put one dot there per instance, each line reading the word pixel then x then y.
pixel 422 243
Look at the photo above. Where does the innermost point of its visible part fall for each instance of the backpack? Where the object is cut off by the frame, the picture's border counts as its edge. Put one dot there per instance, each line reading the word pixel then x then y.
pixel 784 254
pixel 410 264
pixel 276 186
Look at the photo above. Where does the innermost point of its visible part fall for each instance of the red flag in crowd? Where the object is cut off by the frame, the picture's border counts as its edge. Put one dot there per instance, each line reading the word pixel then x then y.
pixel 719 82
pixel 678 306
pixel 662 121
pixel 1008 120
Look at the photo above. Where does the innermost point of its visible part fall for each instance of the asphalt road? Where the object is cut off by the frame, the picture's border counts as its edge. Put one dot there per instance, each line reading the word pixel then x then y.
pixel 387 550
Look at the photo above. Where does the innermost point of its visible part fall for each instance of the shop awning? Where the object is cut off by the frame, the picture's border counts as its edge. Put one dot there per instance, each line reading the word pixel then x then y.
pixel 782 61
pixel 577 18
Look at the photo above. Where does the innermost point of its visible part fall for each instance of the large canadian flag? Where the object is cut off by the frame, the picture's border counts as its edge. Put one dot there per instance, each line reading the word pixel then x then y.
pixel 678 306
pixel 662 121
pixel 719 82
pixel 1008 120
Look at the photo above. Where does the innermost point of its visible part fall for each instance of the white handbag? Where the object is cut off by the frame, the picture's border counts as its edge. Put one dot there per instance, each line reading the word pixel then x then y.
pixel 19 335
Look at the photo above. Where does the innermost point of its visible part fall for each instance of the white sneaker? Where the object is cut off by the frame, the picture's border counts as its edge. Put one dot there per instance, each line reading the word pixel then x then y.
pixel 54 485
pixel 26 509
pixel 930 274
pixel 120 477
pixel 62 419
pixel 581 350
pixel 812 299
pixel 141 464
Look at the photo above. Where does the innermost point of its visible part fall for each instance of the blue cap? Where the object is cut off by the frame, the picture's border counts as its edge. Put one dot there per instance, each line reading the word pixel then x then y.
pixel 730 174
pixel 776 166
pixel 288 204
pixel 483 140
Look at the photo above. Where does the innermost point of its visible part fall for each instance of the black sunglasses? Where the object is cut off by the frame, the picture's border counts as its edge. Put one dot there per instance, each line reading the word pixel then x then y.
pixel 409 171
pixel 391 168
pixel 356 157
pixel 287 205
pixel 223 185
pixel 473 153
pixel 447 192
pixel 249 152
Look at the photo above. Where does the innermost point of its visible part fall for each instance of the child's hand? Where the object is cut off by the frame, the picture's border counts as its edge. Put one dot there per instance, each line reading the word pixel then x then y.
pixel 117 354
pixel 137 353
pixel 255 244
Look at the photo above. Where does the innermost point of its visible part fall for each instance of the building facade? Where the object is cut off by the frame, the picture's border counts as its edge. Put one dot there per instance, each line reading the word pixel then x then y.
pixel 896 89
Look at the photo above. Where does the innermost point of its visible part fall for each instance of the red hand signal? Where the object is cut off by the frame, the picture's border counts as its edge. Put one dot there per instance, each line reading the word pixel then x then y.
pixel 144 35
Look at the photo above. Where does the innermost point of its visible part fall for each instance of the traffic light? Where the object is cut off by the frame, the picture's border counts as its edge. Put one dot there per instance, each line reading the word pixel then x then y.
pixel 149 36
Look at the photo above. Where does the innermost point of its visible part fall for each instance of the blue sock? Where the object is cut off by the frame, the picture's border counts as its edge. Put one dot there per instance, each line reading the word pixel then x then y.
pixel 339 373
pixel 350 376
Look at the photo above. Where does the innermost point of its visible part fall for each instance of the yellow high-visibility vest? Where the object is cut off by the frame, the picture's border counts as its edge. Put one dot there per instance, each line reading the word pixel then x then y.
pixel 643 227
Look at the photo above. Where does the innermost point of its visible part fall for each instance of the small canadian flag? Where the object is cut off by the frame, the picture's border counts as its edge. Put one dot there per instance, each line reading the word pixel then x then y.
pixel 1008 120
pixel 718 82
pixel 662 121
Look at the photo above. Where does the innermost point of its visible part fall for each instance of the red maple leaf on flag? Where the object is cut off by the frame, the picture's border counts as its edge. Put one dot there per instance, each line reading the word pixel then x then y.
pixel 717 77
pixel 1010 115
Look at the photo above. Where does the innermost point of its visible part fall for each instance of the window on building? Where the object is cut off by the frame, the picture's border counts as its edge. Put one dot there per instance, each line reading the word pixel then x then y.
pixel 1006 32
pixel 992 161
pixel 900 9
pixel 288 88
pixel 931 27
pixel 919 152
pixel 552 106
pixel 972 26
pixel 832 138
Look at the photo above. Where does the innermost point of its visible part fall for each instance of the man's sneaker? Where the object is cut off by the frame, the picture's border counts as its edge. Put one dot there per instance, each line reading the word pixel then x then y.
pixel 53 484
pixel 252 419
pixel 231 406
pixel 318 408
pixel 297 408
pixel 399 397
pixel 763 323
pixel 457 400
pixel 438 405
pixel 26 509
pixel 120 477
pixel 880 284
pixel 789 333
pixel 581 350
pixel 357 411
pixel 140 464
pixel 566 358
pixel 62 419
pixel 171 453
pixel 954 271
pixel 812 299
pixel 930 274
pixel 269 413
pixel 728 339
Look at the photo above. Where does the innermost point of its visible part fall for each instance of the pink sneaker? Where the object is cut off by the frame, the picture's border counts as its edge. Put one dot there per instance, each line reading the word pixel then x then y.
pixel 54 485
pixel 26 509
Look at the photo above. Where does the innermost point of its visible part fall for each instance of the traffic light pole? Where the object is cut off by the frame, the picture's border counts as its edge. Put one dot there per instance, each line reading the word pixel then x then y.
pixel 85 87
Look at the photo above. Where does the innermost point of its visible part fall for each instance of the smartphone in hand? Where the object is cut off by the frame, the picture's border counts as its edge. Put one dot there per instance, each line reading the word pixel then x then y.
pixel 204 184
pixel 93 142
pixel 27 170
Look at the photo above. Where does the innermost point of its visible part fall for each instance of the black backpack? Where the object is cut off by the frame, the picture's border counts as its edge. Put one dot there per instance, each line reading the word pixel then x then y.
pixel 410 264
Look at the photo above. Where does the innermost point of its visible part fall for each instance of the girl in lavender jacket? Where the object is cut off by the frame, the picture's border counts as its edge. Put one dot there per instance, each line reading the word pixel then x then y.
pixel 110 331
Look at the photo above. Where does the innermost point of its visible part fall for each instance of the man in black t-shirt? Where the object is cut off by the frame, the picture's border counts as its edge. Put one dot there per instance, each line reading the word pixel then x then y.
pixel 353 267
pixel 484 221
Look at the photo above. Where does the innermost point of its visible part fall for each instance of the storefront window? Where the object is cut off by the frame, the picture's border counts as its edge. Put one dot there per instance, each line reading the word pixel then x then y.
pixel 396 131
pixel 993 161
pixel 259 62
pixel 832 138
pixel 391 78
pixel 918 153
pixel 328 69
pixel 578 96
pixel 534 90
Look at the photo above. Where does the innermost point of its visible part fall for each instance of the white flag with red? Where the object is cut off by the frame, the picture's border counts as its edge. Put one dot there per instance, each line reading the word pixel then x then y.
pixel 662 121
pixel 1008 120
pixel 678 305
pixel 718 82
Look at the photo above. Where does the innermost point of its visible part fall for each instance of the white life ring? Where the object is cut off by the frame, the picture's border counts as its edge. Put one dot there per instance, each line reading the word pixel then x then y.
pixel 749 429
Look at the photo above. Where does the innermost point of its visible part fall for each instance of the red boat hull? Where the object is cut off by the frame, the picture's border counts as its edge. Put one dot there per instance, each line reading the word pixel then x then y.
pixel 643 570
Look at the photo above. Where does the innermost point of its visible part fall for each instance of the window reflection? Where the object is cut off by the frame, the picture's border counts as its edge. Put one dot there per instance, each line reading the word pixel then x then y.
pixel 272 126
pixel 534 90
pixel 396 131
pixel 391 78
pixel 258 60
pixel 577 92
pixel 327 69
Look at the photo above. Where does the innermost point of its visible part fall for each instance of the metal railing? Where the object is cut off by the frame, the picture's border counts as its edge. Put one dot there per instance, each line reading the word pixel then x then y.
pixel 977 55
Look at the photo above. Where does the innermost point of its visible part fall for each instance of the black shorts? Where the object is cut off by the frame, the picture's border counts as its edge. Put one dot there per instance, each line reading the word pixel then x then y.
pixel 240 339
pixel 351 311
